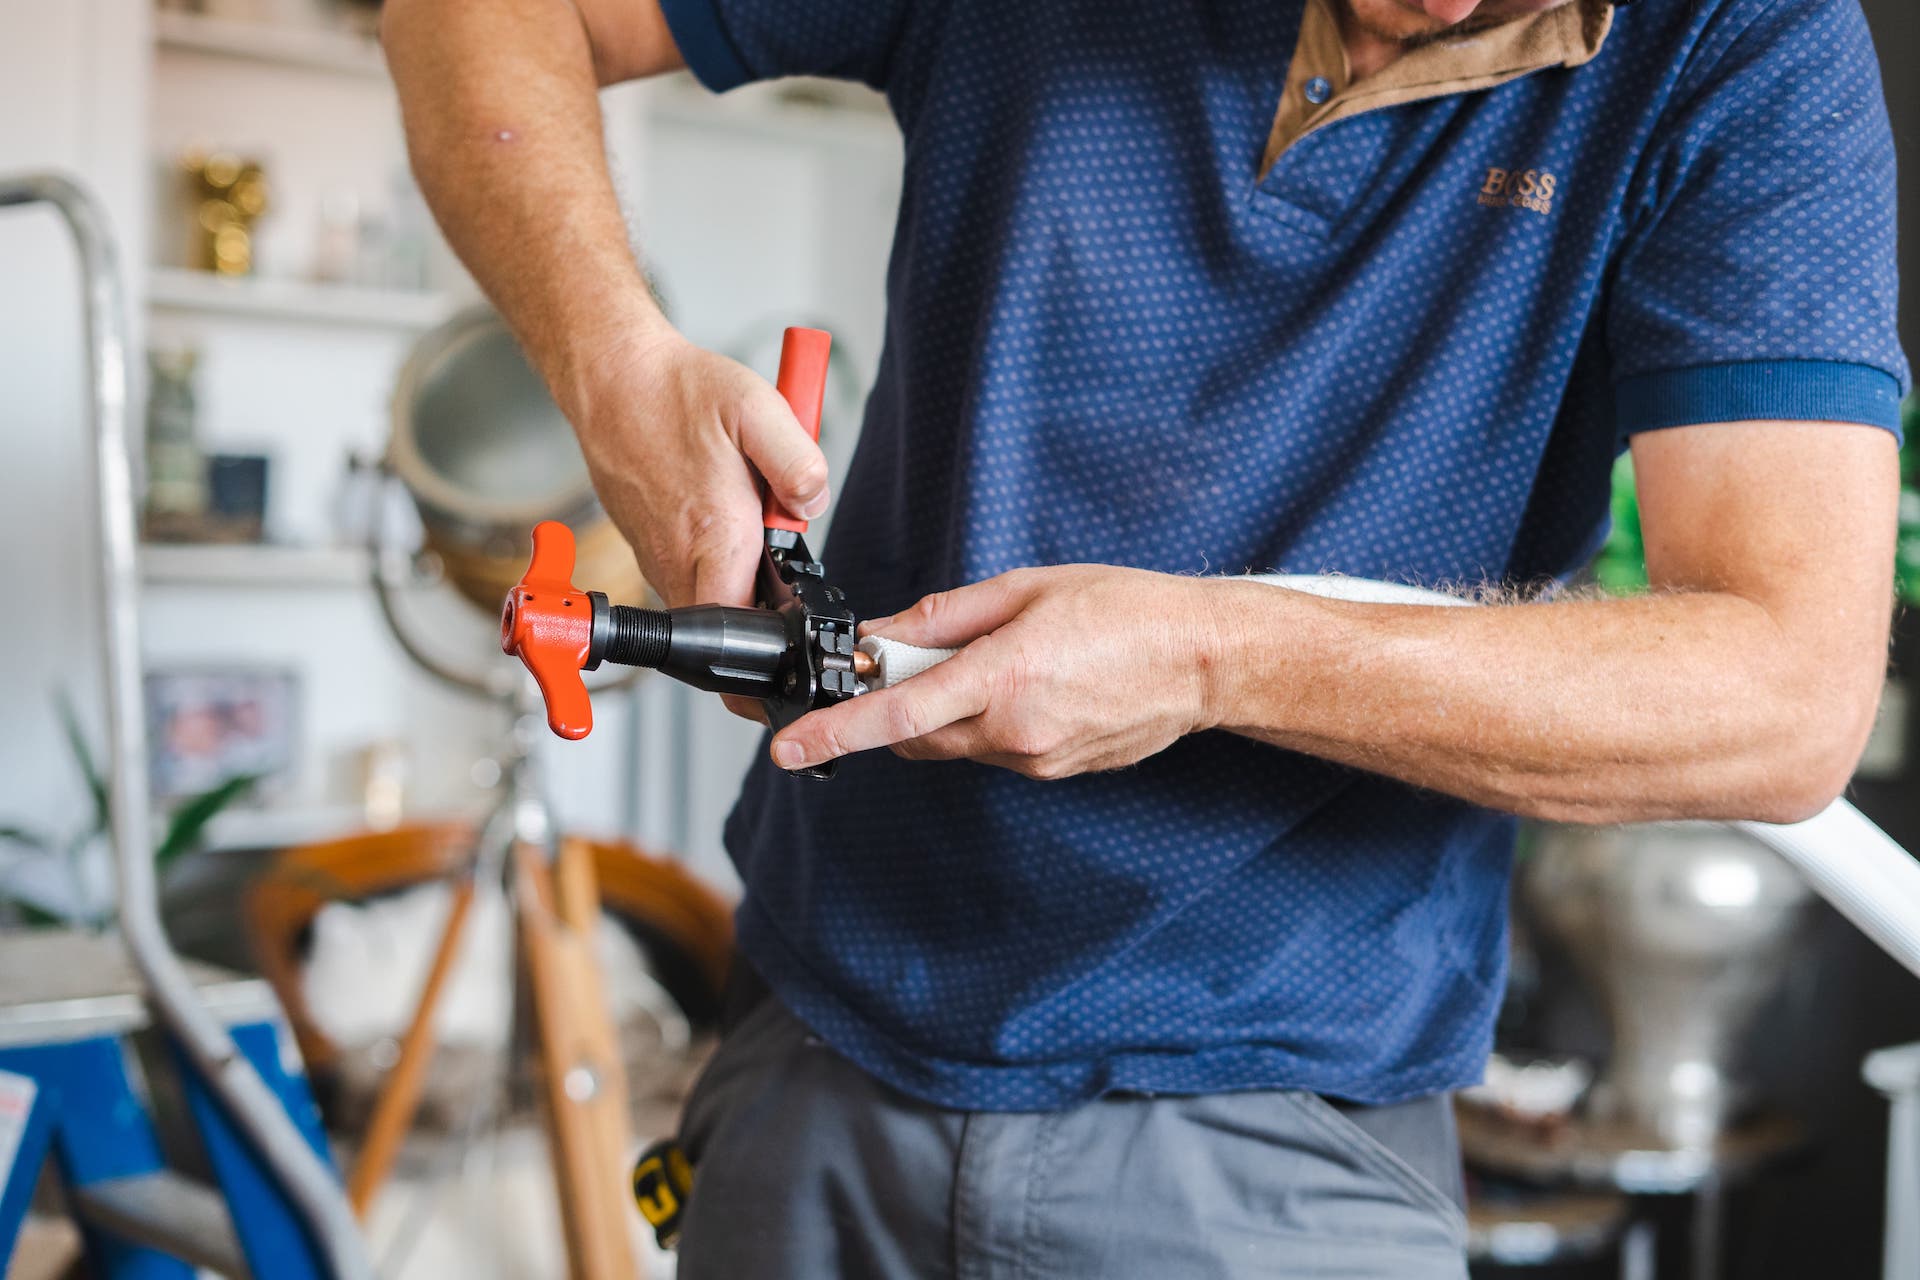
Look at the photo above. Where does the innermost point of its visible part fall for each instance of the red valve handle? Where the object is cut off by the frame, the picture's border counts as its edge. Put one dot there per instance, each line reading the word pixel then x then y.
pixel 803 381
pixel 547 623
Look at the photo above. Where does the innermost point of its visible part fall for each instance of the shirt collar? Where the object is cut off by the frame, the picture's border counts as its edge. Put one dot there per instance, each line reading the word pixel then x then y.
pixel 1568 35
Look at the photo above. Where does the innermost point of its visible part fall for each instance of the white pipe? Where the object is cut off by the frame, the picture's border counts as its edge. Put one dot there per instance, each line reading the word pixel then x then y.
pixel 1859 869
pixel 1850 862
pixel 1896 1073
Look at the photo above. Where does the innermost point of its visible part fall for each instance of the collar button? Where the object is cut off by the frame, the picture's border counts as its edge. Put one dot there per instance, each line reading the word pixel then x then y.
pixel 1318 90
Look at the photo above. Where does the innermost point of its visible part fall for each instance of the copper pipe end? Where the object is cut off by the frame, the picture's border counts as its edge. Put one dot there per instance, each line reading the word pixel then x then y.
pixel 863 663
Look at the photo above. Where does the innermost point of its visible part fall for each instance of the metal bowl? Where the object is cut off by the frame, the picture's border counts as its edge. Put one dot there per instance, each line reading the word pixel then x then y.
pixel 486 454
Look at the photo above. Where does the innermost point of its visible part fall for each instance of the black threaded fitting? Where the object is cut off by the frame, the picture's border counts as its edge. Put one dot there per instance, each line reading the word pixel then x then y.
pixel 638 637
pixel 715 647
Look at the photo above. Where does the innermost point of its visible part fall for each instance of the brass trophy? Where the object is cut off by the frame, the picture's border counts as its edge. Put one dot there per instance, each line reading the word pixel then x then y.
pixel 229 194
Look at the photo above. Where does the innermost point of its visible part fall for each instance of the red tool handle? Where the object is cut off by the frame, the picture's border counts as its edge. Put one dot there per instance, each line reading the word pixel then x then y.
pixel 803 381
pixel 547 623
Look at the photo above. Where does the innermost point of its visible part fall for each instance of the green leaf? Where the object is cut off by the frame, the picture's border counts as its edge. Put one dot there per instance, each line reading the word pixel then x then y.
pixel 191 818
pixel 37 917
pixel 83 756
pixel 26 835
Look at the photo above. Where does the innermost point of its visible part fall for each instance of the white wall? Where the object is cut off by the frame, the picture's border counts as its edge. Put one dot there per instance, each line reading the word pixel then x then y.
pixel 755 217
pixel 83 87
pixel 72 79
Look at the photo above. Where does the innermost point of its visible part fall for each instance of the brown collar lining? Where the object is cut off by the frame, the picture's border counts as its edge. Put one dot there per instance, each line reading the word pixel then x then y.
pixel 1568 35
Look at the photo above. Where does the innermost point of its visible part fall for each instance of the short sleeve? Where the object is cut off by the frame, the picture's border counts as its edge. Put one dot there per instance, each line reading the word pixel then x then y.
pixel 728 43
pixel 1757 276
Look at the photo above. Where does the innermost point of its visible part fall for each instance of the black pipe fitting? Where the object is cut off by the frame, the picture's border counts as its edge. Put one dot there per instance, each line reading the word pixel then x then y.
pixel 715 648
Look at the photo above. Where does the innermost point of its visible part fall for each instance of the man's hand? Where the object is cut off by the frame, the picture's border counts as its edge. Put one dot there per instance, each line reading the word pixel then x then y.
pixel 675 437
pixel 1742 686
pixel 1063 671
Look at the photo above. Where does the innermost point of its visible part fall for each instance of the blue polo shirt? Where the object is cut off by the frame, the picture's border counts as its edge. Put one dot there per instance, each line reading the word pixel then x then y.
pixel 1146 308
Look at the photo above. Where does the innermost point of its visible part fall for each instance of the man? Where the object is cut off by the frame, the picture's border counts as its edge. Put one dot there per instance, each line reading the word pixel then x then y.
pixel 1167 967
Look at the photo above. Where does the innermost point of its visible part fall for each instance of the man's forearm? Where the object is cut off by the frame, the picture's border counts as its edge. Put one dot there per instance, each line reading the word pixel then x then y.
pixel 1602 710
pixel 1743 687
pixel 503 127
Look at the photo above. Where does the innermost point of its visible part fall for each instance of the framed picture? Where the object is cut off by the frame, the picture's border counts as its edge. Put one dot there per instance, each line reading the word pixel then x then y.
pixel 205 725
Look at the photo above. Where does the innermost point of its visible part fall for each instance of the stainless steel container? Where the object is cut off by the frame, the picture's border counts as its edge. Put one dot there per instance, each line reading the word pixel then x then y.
pixel 486 454
pixel 1683 930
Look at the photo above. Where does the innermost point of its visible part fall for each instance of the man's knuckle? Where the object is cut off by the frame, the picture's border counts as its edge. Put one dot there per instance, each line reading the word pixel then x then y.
pixel 1026 741
pixel 906 720
pixel 806 473
pixel 1023 581
pixel 1032 768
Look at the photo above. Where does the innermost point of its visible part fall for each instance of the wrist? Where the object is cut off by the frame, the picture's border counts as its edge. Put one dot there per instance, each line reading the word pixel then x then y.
pixel 1261 641
pixel 603 361
pixel 1224 650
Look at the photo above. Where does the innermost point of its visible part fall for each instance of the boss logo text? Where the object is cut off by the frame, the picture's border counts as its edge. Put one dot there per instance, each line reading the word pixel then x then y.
pixel 1519 189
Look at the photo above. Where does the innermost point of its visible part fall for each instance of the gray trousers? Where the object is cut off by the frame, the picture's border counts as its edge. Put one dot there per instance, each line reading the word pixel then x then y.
pixel 807 1168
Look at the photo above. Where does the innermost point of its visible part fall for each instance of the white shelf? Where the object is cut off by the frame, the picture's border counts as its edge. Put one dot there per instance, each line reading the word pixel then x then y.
pixel 313 47
pixel 296 301
pixel 251 565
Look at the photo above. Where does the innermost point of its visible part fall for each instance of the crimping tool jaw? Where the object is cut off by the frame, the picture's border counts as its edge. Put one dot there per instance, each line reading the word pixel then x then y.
pixel 825 666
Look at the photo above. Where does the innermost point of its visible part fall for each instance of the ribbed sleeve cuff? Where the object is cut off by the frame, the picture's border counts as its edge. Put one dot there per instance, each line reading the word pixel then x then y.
pixel 1759 390
pixel 705 44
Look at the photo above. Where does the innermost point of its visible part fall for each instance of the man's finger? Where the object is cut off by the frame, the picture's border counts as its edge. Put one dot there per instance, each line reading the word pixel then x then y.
pixel 935 698
pixel 784 454
pixel 953 619
pixel 961 740
pixel 746 708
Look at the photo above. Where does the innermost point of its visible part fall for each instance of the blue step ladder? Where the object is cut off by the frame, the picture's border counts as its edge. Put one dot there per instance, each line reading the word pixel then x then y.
pixel 72 1091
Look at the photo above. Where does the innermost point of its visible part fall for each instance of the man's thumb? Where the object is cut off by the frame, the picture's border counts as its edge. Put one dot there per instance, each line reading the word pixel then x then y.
pixel 785 456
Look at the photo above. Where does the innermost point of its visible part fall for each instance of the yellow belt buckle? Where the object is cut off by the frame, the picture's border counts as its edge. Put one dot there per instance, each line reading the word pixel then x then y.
pixel 662 1179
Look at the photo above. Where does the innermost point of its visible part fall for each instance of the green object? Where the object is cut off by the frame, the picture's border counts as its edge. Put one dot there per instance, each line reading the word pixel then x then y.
pixel 1621 566
pixel 176 468
pixel 185 827
pixel 1910 446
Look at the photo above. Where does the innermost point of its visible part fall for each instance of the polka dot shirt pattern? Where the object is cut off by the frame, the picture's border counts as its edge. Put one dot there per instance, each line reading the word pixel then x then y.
pixel 1112 339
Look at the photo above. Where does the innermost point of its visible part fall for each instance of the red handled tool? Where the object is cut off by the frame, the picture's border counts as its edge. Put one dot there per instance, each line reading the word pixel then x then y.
pixel 803 381
pixel 794 652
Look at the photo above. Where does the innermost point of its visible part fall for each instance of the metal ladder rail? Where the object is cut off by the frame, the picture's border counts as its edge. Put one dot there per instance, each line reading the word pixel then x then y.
pixel 307 1182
